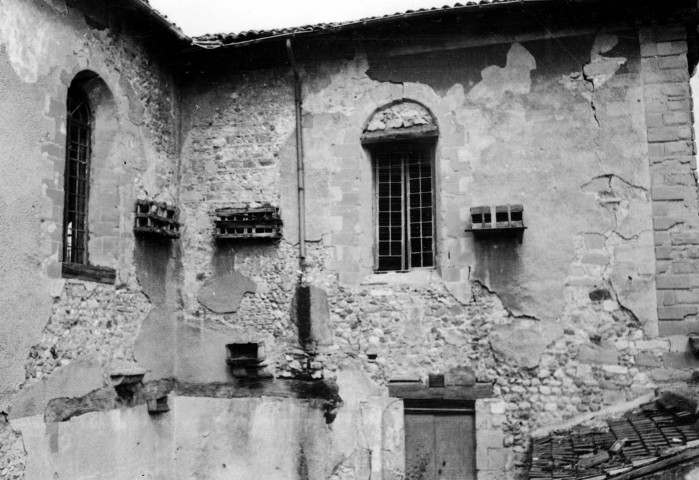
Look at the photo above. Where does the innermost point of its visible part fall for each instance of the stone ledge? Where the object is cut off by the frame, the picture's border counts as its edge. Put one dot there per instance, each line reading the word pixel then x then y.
pixel 89 273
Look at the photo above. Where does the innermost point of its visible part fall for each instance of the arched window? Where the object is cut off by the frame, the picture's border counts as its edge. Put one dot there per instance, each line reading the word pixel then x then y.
pixel 77 177
pixel 401 138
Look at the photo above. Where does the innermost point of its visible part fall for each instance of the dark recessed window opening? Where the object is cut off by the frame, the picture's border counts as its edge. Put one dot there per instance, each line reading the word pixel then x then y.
pixel 501 215
pixel 404 207
pixel 77 177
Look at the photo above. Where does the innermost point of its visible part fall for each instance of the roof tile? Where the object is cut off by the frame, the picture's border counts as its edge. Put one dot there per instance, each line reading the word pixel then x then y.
pixel 645 435
pixel 217 40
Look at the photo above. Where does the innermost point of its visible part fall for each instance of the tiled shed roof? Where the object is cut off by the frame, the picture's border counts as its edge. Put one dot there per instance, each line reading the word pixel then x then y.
pixel 650 434
pixel 254 36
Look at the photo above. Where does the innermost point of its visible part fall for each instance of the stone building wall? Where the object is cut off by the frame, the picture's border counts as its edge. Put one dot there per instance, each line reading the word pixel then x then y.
pixel 671 153
pixel 564 323
pixel 62 337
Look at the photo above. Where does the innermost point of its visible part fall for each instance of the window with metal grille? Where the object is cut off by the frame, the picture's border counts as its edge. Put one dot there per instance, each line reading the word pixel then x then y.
pixel 404 207
pixel 77 176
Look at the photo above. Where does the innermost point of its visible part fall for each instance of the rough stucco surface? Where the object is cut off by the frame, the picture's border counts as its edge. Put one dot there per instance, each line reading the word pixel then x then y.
pixel 141 446
pixel 25 300
pixel 133 154
pixel 61 338
pixel 221 438
pixel 586 262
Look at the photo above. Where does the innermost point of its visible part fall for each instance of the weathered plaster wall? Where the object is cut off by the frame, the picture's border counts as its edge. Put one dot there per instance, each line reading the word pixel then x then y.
pixel 214 438
pixel 61 338
pixel 563 323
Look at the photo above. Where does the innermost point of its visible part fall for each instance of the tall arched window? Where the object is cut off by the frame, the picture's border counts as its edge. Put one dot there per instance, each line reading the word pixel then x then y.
pixel 401 138
pixel 77 177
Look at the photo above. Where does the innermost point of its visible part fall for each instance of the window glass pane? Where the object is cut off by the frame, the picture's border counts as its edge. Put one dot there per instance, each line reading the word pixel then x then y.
pixel 76 179
pixel 389 264
pixel 404 205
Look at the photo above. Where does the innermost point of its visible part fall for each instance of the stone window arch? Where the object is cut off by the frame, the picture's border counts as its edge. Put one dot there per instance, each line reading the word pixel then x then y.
pixel 77 176
pixel 401 139
pixel 90 129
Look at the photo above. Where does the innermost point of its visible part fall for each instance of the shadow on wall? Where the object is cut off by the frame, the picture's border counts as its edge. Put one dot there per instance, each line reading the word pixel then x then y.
pixel 498 266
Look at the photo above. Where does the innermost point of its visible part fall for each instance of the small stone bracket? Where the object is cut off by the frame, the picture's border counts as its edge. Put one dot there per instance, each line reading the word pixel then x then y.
pixel 126 382
pixel 127 376
pixel 158 405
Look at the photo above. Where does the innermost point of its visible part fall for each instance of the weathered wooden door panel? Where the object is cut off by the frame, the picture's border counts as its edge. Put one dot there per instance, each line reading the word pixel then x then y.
pixel 419 447
pixel 455 447
pixel 439 447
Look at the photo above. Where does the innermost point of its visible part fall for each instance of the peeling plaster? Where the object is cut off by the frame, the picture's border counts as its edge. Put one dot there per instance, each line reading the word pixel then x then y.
pixel 524 341
pixel 28 52
pixel 600 68
pixel 515 77
pixel 622 198
pixel 223 293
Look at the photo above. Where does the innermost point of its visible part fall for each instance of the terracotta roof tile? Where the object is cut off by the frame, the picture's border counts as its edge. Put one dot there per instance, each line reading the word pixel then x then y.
pixel 249 36
pixel 641 437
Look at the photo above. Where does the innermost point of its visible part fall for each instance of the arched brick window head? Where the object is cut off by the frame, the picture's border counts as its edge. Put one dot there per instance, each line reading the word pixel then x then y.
pixel 77 177
pixel 401 138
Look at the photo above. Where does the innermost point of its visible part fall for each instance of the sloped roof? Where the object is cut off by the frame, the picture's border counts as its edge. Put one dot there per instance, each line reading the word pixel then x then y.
pixel 648 438
pixel 144 6
pixel 254 36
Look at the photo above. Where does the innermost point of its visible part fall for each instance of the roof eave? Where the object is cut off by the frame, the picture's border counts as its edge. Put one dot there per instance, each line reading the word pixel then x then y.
pixel 144 7
pixel 451 11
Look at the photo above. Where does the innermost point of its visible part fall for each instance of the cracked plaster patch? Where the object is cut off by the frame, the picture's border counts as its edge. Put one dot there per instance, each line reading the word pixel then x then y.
pixel 628 244
pixel 523 342
pixel 515 77
pixel 223 293
pixel 600 68
pixel 73 380
pixel 334 98
pixel 626 201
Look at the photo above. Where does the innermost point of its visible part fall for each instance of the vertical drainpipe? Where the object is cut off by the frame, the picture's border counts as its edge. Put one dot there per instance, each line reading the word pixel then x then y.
pixel 299 158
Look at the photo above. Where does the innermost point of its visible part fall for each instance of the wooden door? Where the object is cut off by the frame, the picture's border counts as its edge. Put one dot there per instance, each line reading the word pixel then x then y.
pixel 439 446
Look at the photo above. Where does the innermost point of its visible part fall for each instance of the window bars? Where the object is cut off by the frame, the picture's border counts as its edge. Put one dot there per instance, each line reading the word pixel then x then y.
pixel 77 177
pixel 404 208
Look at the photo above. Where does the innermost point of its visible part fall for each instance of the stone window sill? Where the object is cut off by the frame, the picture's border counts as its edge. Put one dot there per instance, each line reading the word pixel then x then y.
pixel 422 276
pixel 88 273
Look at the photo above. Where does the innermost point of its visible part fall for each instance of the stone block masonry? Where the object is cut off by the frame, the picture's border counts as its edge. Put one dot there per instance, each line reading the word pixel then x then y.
pixel 668 104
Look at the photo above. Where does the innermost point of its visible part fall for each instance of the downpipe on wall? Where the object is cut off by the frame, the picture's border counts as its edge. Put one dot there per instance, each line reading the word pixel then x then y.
pixel 299 160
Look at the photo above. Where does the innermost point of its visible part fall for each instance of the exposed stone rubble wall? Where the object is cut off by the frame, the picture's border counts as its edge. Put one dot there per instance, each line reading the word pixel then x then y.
pixel 13 457
pixel 89 320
